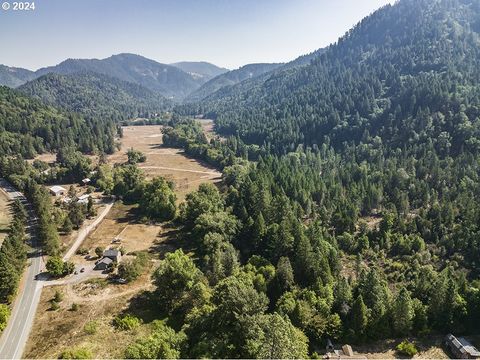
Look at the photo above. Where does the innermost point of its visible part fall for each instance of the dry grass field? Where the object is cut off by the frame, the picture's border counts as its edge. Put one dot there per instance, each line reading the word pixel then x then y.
pixel 98 300
pixel 429 348
pixel 121 223
pixel 173 164
pixel 90 326
pixel 5 215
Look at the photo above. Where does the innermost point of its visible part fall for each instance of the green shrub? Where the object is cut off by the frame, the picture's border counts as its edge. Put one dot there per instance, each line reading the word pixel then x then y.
pixel 4 315
pixel 58 297
pixel 76 353
pixel 126 322
pixel 82 251
pixel 91 327
pixel 407 348
pixel 75 307
pixel 55 306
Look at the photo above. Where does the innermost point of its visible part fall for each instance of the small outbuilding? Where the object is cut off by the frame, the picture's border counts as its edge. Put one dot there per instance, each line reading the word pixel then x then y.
pixel 461 347
pixel 58 190
pixel 83 199
pixel 103 264
pixel 345 353
pixel 86 181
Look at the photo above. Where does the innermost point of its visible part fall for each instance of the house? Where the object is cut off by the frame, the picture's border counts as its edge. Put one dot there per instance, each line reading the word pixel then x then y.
pixel 113 254
pixel 86 181
pixel 461 348
pixel 104 264
pixel 83 199
pixel 57 190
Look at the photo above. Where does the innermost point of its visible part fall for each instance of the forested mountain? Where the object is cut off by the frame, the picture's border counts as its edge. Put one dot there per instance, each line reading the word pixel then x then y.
pixel 233 77
pixel 200 69
pixel 95 94
pixel 168 80
pixel 360 196
pixel 28 127
pixel 13 77
pixel 411 58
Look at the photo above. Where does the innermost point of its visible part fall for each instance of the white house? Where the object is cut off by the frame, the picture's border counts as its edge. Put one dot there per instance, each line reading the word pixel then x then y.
pixel 83 199
pixel 58 190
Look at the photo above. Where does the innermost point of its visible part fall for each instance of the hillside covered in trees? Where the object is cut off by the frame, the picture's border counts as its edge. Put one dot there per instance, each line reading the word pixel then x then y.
pixel 28 127
pixel 96 95
pixel 360 197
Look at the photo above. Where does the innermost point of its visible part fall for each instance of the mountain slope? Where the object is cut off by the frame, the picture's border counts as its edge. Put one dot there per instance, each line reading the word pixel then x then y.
pixel 200 69
pixel 95 94
pixel 168 80
pixel 230 78
pixel 28 127
pixel 13 77
pixel 405 60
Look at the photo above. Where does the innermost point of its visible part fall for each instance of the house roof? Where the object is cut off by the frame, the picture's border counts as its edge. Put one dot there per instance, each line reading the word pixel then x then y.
pixel 57 188
pixel 111 252
pixel 105 260
pixel 463 345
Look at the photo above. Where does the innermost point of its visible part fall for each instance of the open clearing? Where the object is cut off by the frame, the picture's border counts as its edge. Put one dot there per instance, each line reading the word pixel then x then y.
pixel 173 164
pixel 99 300
pixel 98 304
pixel 5 215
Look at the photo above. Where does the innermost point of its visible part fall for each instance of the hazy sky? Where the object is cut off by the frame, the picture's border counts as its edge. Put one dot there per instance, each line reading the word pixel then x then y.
pixel 228 33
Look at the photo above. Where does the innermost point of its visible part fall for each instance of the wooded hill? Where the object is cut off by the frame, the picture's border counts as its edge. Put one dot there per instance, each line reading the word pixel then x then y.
pixel 93 94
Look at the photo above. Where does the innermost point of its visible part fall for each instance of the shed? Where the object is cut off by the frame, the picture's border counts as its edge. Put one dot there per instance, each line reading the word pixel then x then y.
pixel 461 347
pixel 103 264
pixel 57 190
pixel 86 181
pixel 83 199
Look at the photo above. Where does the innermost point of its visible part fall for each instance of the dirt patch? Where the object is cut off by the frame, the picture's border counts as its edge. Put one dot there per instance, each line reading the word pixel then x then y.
pixel 173 164
pixel 5 215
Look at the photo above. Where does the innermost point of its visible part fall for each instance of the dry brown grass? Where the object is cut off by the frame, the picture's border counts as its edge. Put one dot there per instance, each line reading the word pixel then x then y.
pixel 121 223
pixel 429 348
pixel 56 331
pixel 5 215
pixel 173 164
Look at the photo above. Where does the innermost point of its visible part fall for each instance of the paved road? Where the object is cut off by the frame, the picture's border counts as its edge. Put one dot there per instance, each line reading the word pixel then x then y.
pixel 15 335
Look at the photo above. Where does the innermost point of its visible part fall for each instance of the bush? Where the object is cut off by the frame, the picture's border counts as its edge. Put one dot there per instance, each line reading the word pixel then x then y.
pixel 58 297
pixel 75 307
pixel 127 322
pixel 82 251
pixel 99 251
pixel 407 348
pixel 91 327
pixel 55 306
pixel 4 315
pixel 76 353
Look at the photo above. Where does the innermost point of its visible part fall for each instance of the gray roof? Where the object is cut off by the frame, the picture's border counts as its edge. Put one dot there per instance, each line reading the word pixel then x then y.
pixel 105 260
pixel 111 252
pixel 463 345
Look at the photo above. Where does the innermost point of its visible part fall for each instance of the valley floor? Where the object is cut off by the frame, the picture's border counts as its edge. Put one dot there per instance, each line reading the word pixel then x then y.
pixel 97 300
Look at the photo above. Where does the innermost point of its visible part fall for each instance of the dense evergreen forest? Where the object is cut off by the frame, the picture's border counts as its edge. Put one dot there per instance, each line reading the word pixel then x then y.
pixel 96 95
pixel 348 209
pixel 29 127
pixel 351 187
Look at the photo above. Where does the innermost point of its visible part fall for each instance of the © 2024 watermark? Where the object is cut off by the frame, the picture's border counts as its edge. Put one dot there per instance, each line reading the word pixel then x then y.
pixel 18 6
